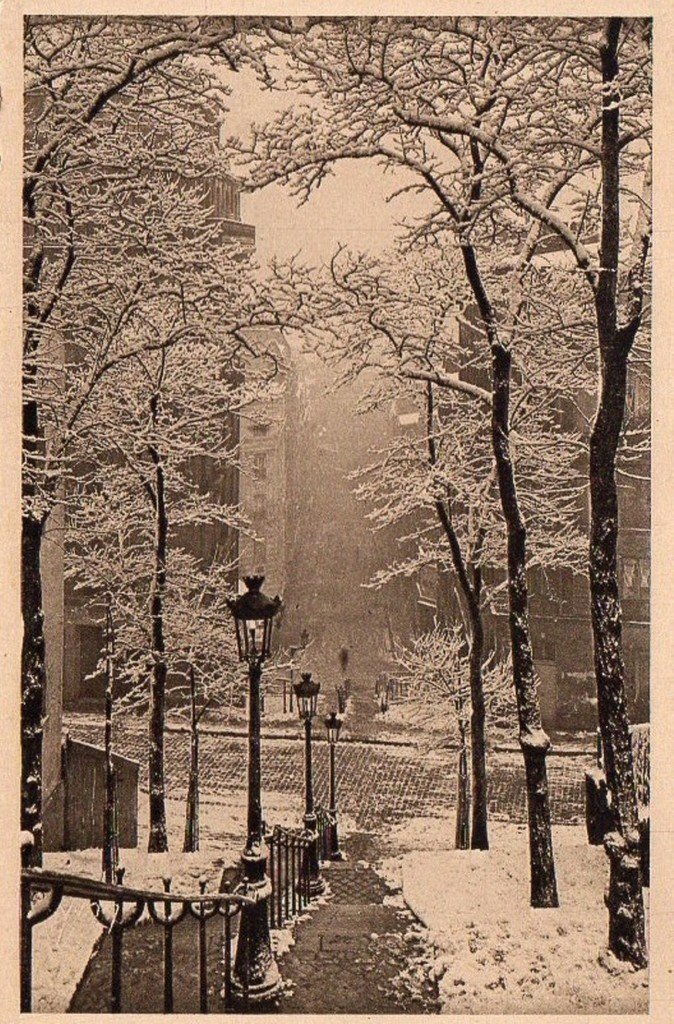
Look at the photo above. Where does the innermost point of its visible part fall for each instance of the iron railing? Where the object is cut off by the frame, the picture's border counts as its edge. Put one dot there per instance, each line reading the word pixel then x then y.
pixel 325 823
pixel 119 907
pixel 288 852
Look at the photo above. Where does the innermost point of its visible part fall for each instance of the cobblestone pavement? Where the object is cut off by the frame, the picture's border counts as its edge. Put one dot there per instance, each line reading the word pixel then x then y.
pixel 377 784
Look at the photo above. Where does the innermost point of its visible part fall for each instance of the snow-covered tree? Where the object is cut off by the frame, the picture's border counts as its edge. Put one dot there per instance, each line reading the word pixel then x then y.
pixel 111 104
pixel 508 128
pixel 138 495
pixel 405 323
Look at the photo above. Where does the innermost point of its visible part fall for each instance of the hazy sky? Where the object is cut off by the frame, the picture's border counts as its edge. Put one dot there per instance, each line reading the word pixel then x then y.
pixel 350 207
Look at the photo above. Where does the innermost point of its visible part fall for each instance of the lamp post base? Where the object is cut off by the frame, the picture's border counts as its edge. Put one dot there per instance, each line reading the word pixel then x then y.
pixel 256 974
pixel 316 886
pixel 316 880
pixel 333 852
pixel 264 991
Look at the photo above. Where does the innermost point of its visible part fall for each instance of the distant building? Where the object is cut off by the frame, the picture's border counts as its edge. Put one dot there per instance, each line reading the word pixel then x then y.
pixel 84 641
pixel 264 470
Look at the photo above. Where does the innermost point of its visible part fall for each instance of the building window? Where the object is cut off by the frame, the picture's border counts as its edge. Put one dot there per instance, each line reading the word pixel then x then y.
pixel 259 556
pixel 636 577
pixel 260 427
pixel 260 466
pixel 258 505
pixel 638 397
pixel 91 681
pixel 544 649
pixel 641 674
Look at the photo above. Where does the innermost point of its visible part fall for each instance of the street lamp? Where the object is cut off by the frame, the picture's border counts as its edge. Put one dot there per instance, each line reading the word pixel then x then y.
pixel 255 968
pixel 333 724
pixel 306 692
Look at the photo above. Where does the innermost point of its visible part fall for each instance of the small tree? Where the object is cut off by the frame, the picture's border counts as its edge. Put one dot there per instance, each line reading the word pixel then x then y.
pixel 436 669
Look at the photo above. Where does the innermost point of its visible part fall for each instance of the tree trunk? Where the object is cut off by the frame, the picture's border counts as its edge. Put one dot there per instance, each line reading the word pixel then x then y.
pixel 111 838
pixel 471 594
pixel 191 843
pixel 158 841
pixel 625 900
pixel 479 839
pixel 462 835
pixel 33 682
pixel 627 938
pixel 533 739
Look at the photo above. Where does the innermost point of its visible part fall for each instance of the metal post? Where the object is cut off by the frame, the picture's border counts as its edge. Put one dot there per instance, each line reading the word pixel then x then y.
pixel 316 882
pixel 256 974
pixel 287 848
pixel 168 965
pixel 334 852
pixel 117 930
pixel 227 963
pixel 203 963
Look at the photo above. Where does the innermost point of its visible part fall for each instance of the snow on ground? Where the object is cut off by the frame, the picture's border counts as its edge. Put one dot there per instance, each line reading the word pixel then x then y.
pixel 63 944
pixel 494 954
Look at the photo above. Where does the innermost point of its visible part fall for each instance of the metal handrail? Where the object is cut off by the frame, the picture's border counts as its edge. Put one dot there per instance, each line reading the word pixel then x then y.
pixel 128 904
pixel 91 888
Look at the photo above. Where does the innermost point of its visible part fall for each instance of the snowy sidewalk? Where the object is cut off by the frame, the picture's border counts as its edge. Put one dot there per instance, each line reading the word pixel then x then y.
pixel 360 952
pixel 495 955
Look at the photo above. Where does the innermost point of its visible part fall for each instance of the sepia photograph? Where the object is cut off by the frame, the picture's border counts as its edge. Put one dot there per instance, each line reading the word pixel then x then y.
pixel 335 527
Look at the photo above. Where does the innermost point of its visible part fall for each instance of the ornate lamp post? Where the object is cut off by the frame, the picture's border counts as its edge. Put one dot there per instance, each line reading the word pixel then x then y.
pixel 306 692
pixel 254 964
pixel 333 724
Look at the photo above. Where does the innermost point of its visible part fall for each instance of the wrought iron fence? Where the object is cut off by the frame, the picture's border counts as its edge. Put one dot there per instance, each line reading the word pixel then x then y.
pixel 325 823
pixel 288 867
pixel 119 907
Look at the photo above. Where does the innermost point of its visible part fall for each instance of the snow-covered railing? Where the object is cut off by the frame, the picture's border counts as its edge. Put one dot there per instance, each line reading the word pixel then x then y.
pixel 118 907
pixel 289 874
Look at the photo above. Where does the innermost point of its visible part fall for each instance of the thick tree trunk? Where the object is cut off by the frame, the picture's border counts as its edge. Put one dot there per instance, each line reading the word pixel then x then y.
pixel 33 683
pixel 533 739
pixel 627 938
pixel 33 652
pixel 158 840
pixel 625 900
